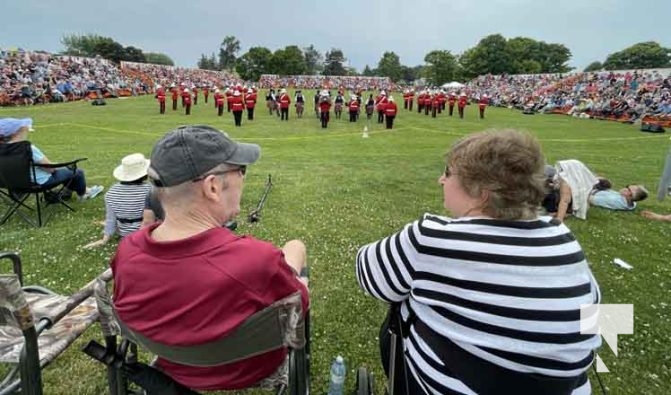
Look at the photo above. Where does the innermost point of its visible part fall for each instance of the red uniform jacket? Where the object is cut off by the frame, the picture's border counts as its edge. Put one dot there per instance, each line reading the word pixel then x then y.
pixel 324 106
pixel 353 106
pixel 390 109
pixel 175 94
pixel 236 103
pixel 483 102
pixel 462 101
pixel 285 100
pixel 160 95
pixel 219 99
pixel 250 100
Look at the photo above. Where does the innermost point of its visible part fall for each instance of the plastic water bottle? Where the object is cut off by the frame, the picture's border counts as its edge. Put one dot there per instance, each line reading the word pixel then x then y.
pixel 337 382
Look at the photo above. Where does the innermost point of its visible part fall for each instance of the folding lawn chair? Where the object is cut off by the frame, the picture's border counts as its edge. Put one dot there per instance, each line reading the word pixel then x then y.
pixel 17 170
pixel 37 325
pixel 279 325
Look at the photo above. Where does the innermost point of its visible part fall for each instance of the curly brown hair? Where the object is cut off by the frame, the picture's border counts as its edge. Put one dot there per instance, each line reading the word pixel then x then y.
pixel 506 164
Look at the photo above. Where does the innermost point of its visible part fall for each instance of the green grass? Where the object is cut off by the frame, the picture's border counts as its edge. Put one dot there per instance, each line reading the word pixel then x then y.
pixel 337 191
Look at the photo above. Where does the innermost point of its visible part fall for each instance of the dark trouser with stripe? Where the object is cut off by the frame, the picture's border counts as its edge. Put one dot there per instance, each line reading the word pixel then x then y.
pixel 380 116
pixel 174 105
pixel 451 109
pixel 284 112
pixel 220 110
pixel 162 107
pixel 188 109
pixel 324 117
pixel 461 112
pixel 237 116
pixel 250 114
pixel 390 121
pixel 482 113
pixel 352 116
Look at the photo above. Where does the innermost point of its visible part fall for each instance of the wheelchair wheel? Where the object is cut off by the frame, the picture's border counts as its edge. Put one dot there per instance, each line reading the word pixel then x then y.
pixel 365 383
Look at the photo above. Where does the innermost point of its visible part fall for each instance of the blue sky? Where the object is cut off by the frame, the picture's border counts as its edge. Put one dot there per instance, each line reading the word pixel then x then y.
pixel 363 30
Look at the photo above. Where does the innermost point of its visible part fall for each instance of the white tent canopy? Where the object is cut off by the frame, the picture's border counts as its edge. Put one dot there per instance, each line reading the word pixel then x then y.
pixel 452 85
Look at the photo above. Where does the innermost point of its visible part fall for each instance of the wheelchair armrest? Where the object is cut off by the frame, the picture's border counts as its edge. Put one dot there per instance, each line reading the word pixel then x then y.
pixel 63 164
pixel 16 264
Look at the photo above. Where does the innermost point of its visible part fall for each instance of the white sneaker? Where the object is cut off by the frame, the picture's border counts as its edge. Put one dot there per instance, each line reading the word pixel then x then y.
pixel 92 192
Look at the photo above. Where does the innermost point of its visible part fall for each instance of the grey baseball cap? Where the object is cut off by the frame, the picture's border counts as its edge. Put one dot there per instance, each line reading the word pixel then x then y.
pixel 188 152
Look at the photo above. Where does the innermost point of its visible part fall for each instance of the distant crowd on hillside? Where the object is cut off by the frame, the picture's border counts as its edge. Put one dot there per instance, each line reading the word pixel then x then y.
pixel 28 78
pixel 326 82
pixel 626 96
pixel 631 95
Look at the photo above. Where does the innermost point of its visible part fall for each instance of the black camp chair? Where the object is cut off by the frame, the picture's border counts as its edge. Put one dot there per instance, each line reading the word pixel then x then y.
pixel 279 325
pixel 17 171
pixel 36 326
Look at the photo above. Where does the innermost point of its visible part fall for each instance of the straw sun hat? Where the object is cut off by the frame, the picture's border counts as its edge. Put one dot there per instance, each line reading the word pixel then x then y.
pixel 133 167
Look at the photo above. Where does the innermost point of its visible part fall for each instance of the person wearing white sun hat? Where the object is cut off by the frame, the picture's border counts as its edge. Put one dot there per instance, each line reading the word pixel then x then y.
pixel 125 200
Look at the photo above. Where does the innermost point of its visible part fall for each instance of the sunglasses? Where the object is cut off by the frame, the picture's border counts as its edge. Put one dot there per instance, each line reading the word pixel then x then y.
pixel 242 170
pixel 447 173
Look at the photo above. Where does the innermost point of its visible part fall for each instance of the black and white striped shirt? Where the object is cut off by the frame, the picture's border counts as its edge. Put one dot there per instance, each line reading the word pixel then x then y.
pixel 507 292
pixel 124 204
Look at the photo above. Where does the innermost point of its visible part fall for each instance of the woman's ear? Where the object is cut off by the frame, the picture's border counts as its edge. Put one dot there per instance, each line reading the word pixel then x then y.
pixel 484 197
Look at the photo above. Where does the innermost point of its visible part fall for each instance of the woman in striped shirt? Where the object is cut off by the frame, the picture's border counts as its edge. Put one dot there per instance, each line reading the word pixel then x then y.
pixel 490 298
pixel 125 200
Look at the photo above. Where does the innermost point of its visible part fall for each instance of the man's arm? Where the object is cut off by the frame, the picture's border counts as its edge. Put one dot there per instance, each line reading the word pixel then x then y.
pixel 564 199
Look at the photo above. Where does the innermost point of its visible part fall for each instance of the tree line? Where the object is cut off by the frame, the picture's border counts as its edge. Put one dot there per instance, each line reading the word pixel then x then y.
pixel 494 54
pixel 91 45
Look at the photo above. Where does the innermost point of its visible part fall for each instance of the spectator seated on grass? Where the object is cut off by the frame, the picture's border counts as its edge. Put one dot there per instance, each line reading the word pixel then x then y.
pixel 125 200
pixel 463 281
pixel 13 130
pixel 188 280
pixel 573 188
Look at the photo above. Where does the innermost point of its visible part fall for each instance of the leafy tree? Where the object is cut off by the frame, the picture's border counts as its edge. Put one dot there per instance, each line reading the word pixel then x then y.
pixel 390 66
pixel 553 58
pixel 158 58
pixel 91 45
pixel 313 60
pixel 208 63
pixel 133 54
pixel 645 55
pixel 594 66
pixel 333 63
pixel 254 62
pixel 368 72
pixel 228 50
pixel 412 73
pixel 288 61
pixel 441 67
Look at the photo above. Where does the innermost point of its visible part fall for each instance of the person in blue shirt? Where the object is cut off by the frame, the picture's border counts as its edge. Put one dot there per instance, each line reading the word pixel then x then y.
pixel 624 199
pixel 13 130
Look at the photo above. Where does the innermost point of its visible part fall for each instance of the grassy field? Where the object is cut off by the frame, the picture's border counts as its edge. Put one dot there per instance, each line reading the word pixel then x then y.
pixel 337 191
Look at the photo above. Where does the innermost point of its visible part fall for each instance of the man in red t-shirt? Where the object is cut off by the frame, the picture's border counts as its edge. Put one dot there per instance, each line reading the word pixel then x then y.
pixel 190 281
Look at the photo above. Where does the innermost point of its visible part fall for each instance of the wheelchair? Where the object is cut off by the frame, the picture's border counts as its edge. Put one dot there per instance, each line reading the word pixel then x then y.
pixel 279 325
pixel 37 325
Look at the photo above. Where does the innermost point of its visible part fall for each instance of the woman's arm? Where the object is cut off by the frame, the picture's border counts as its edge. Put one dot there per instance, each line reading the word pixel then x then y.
pixel 384 269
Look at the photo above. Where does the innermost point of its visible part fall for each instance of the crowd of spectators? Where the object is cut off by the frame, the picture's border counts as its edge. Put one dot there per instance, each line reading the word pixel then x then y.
pixel 325 82
pixel 626 96
pixel 39 77
pixel 155 74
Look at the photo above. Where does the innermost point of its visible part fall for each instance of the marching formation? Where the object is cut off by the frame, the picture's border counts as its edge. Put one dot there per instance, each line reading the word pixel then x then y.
pixel 238 98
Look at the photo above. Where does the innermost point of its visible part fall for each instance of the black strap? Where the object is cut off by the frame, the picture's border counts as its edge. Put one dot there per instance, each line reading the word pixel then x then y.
pixel 487 378
pixel 129 220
